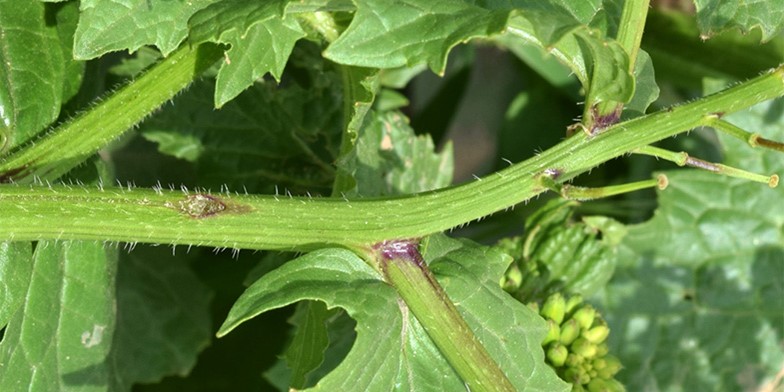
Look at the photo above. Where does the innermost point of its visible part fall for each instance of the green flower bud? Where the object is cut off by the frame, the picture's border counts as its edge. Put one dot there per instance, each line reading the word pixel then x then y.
pixel 577 376
pixel 584 348
pixel 599 385
pixel 602 350
pixel 574 360
pixel 553 332
pixel 613 366
pixel 557 354
pixel 533 306
pixel 578 388
pixel 573 302
pixel 597 334
pixel 570 330
pixel 599 363
pixel 585 316
pixel 554 308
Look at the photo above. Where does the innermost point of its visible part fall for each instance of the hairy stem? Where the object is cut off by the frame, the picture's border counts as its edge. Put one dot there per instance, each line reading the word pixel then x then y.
pixel 301 223
pixel 404 269
pixel 58 151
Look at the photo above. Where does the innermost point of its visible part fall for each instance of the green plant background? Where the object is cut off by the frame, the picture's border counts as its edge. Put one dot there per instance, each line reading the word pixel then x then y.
pixel 697 298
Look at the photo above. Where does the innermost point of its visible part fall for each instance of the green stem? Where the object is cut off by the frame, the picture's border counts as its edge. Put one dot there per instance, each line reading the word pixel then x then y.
pixel 631 27
pixel 57 152
pixel 683 159
pixel 752 139
pixel 571 192
pixel 405 270
pixel 629 36
pixel 302 223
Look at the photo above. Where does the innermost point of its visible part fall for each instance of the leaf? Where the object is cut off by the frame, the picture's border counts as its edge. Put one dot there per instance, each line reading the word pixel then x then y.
pixel 62 335
pixel 410 32
pixel 261 41
pixel 36 70
pixel 16 270
pixel 391 350
pixel 107 26
pixel 269 137
pixel 716 15
pixel 698 303
pixel 600 64
pixel 389 159
pixel 560 255
pixel 163 319
pixel 681 57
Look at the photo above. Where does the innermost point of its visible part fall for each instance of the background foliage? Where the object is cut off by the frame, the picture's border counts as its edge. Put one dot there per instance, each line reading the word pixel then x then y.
pixel 692 287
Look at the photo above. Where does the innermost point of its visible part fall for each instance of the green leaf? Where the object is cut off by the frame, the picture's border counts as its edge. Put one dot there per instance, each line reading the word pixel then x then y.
pixel 646 91
pixel 698 303
pixel 61 336
pixel 107 26
pixel 389 159
pixel 268 136
pixel 560 255
pixel 163 318
pixel 384 35
pixel 16 270
pixel 468 272
pixel 716 15
pixel 36 70
pixel 261 41
pixel 681 57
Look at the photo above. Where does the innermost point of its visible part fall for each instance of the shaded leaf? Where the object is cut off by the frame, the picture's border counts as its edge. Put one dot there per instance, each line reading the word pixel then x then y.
pixel 107 26
pixel 36 70
pixel 390 160
pixel 261 41
pixel 163 319
pixel 392 351
pixel 716 15
pixel 269 136
pixel 698 303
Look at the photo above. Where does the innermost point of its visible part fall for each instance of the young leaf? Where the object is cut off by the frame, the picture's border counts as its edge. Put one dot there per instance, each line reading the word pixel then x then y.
pixel 36 71
pixel 107 26
pixel 698 301
pixel 261 41
pixel 392 351
pixel 61 336
pixel 716 15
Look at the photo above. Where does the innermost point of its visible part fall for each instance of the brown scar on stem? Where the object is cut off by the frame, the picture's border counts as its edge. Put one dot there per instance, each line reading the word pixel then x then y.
pixel 201 205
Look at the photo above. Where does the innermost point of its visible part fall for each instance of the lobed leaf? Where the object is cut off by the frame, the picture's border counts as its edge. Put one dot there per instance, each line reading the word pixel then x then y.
pixel 268 136
pixel 410 32
pixel 391 351
pixel 389 159
pixel 107 26
pixel 717 15
pixel 261 41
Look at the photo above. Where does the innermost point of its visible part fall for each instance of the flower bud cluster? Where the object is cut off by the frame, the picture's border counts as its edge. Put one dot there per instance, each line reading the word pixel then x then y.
pixel 575 345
